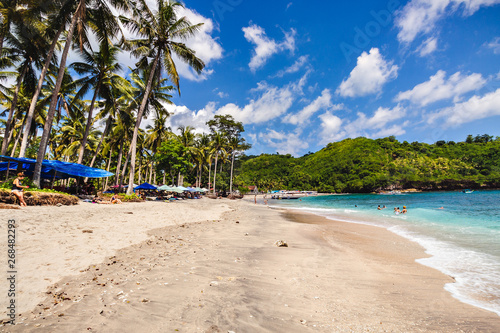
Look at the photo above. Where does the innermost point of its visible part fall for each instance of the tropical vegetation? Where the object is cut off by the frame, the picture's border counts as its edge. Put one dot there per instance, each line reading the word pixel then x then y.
pixel 366 165
pixel 90 111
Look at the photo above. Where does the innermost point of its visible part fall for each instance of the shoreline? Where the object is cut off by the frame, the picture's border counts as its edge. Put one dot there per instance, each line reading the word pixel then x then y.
pixel 439 254
pixel 219 275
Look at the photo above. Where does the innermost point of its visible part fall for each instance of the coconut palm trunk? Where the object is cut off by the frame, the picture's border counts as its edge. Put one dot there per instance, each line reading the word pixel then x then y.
pixel 124 170
pixel 17 140
pixel 109 165
pixel 215 169
pixel 87 127
pixel 50 114
pixel 133 144
pixel 34 100
pixel 104 134
pixel 231 178
pixel 8 125
pixel 120 155
pixel 209 173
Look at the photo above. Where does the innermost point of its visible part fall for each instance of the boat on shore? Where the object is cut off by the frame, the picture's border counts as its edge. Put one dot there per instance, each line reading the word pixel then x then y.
pixel 291 195
pixel 391 193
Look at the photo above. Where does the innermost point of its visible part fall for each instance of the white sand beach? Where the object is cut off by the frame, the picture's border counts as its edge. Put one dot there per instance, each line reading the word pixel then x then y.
pixel 212 266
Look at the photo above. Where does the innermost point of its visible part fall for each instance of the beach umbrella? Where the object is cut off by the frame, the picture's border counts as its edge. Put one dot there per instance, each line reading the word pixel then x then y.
pixel 165 188
pixel 182 188
pixel 176 190
pixel 190 189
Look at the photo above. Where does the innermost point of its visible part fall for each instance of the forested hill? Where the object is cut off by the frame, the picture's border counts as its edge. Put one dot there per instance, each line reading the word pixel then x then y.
pixel 366 165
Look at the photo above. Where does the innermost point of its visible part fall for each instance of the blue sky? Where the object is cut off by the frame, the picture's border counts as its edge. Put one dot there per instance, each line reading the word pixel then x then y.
pixel 301 74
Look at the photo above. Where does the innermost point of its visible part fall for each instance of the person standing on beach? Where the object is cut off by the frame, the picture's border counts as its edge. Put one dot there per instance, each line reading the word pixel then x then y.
pixel 17 189
pixel 255 199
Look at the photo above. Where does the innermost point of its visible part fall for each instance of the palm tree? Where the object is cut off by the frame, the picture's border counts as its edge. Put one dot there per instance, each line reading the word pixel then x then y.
pixel 102 69
pixel 70 137
pixel 159 31
pixel 97 15
pixel 55 18
pixel 218 147
pixel 10 12
pixel 201 148
pixel 121 95
pixel 158 132
pixel 25 44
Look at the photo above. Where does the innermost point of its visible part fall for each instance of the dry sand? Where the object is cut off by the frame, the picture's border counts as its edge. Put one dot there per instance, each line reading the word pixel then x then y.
pixel 211 266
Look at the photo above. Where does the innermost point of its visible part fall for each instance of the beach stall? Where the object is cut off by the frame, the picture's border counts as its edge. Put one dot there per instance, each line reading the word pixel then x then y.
pixel 52 170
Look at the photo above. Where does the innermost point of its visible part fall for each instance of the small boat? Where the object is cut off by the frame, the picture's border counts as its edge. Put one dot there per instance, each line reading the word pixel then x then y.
pixel 467 191
pixel 391 193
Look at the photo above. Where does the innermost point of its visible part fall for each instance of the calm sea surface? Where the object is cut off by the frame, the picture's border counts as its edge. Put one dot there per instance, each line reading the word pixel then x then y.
pixel 463 238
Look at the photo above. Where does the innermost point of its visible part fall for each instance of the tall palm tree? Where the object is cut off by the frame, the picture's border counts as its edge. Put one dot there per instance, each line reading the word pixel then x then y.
pixel 236 145
pixel 97 15
pixel 201 149
pixel 10 12
pixel 121 95
pixel 158 132
pixel 160 31
pixel 218 147
pixel 56 23
pixel 102 69
pixel 25 43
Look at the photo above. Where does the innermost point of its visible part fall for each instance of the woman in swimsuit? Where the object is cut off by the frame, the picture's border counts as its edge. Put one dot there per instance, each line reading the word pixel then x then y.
pixel 17 188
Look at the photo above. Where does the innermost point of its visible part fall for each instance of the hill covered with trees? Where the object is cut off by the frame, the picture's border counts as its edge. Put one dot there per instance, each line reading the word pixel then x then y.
pixel 367 165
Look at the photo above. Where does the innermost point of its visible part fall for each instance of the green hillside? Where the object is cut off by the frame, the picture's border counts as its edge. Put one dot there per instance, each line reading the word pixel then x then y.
pixel 366 165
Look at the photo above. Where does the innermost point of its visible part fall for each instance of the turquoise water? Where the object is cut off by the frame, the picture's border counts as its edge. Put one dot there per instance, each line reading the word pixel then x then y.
pixel 462 238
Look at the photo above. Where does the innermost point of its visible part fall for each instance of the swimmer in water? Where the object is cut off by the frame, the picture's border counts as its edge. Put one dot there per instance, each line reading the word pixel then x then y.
pixel 404 210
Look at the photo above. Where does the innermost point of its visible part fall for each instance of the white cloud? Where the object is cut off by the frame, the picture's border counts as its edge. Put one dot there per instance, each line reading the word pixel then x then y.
pixel 321 103
pixel 331 128
pixel 283 142
pixel 207 47
pixel 272 103
pixel 475 108
pixel 381 124
pixel 427 47
pixel 420 16
pixel 266 47
pixel 183 116
pixel 439 88
pixel 297 65
pixel 494 45
pixel 222 94
pixel 369 75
